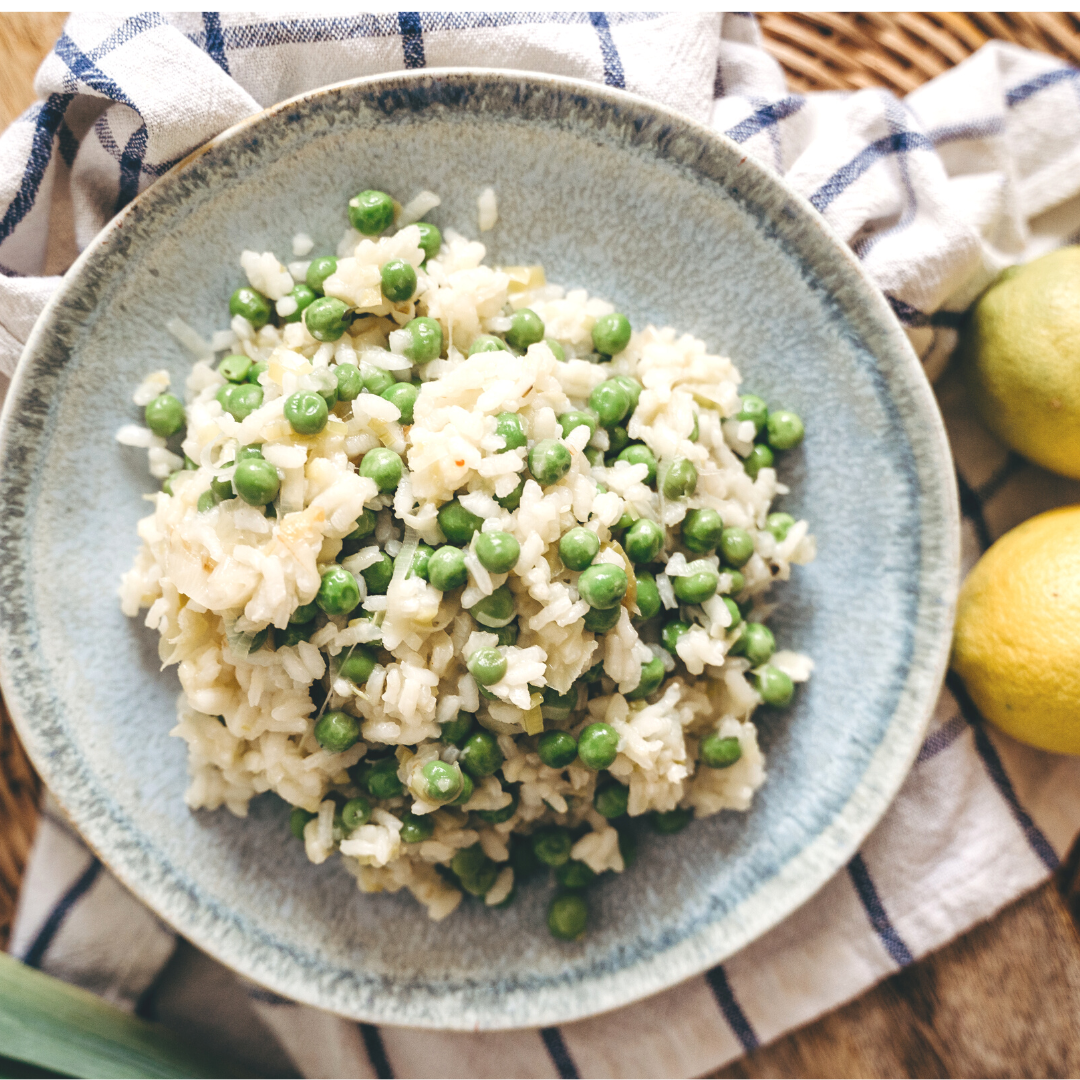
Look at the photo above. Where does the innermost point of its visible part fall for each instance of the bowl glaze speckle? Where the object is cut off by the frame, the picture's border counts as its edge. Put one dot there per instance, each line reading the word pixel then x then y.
pixel 676 226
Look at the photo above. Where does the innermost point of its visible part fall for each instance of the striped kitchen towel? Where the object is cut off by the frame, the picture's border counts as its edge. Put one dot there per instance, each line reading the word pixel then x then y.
pixel 935 193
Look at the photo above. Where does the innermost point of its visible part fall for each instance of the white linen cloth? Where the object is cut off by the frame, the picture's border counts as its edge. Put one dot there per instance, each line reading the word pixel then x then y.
pixel 976 170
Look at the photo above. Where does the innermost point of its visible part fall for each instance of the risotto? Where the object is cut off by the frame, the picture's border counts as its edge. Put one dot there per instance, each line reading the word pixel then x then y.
pixel 463 568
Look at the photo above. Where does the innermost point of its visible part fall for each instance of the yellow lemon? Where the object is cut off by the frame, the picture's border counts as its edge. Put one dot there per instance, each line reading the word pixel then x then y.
pixel 1017 640
pixel 1021 359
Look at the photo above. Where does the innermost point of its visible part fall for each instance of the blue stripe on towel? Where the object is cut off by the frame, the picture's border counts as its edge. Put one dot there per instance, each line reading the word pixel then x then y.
pixel 765 117
pixel 412 38
pixel 613 69
pixel 61 909
pixel 900 142
pixel 1049 78
pixel 875 911
pixel 215 40
pixel 941 739
pixel 732 1010
pixel 559 1054
pixel 1039 844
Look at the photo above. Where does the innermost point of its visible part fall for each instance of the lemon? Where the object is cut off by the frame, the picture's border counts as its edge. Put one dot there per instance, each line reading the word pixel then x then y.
pixel 1017 640
pixel 1021 359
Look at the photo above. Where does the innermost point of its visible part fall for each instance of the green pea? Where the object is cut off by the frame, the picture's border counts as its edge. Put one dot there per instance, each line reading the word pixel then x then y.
pixel 457 523
pixel 618 440
pixel 574 875
pixel 241 401
pixel 383 466
pixel 576 418
pixel 430 239
pixel 736 545
pixel 556 706
pixel 467 789
pixel 497 551
pixel 719 753
pixel 298 818
pixel 632 387
pixel 526 328
pixel 446 568
pixel 294 633
pixel 318 271
pixel 207 501
pixel 734 612
pixel 305 613
pixel 761 457
pixel 166 484
pixel 439 782
pixel 481 756
pixel 680 479
pixel 738 580
pixel 785 429
pixel 303 294
pixel 643 541
pixel 603 585
pixel 260 368
pixel 512 501
pixel 382 779
pixel 421 560
pixel 774 686
pixel 594 674
pixel 610 800
pixel 306 412
pixel 456 731
pixel 416 828
pixel 598 746
pixel 256 481
pixel 337 731
pixel 598 621
pixel 611 334
pixel 487 666
pixel 235 367
pixel 507 634
pixel 475 871
pixel 165 415
pixel 365 526
pixel 696 588
pixel 425 339
pixel 578 548
pixel 556 349
pixel 595 457
pixel 610 401
pixel 702 529
pixel 694 432
pixel 779 525
pixel 403 395
pixel 487 343
pixel 549 461
pixel 669 822
pixel 371 212
pixel 557 749
pixel 378 575
pixel 652 675
pixel 495 610
pixel 640 454
pixel 753 408
pixel 259 640
pixel 671 633
pixel 249 453
pixel 349 381
pixel 223 489
pixel 252 305
pixel 326 318
pixel 358 665
pixel 355 812
pixel 376 379
pixel 398 280
pixel 504 813
pixel 338 592
pixel 551 845
pixel 623 523
pixel 648 595
pixel 508 425
pixel 628 845
pixel 568 916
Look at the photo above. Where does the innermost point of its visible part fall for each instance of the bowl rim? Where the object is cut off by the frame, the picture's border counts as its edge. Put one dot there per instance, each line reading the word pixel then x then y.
pixel 798 879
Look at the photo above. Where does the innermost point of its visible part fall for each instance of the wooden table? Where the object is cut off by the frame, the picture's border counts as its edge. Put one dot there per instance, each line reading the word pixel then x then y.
pixel 1003 1000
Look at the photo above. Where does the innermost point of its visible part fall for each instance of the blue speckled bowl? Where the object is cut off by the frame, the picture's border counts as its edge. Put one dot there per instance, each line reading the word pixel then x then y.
pixel 676 226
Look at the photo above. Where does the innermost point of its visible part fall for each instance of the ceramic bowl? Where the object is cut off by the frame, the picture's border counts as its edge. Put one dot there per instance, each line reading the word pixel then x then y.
pixel 676 226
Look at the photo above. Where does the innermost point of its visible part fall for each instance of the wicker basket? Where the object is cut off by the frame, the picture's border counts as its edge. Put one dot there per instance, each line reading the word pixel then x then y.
pixel 820 51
